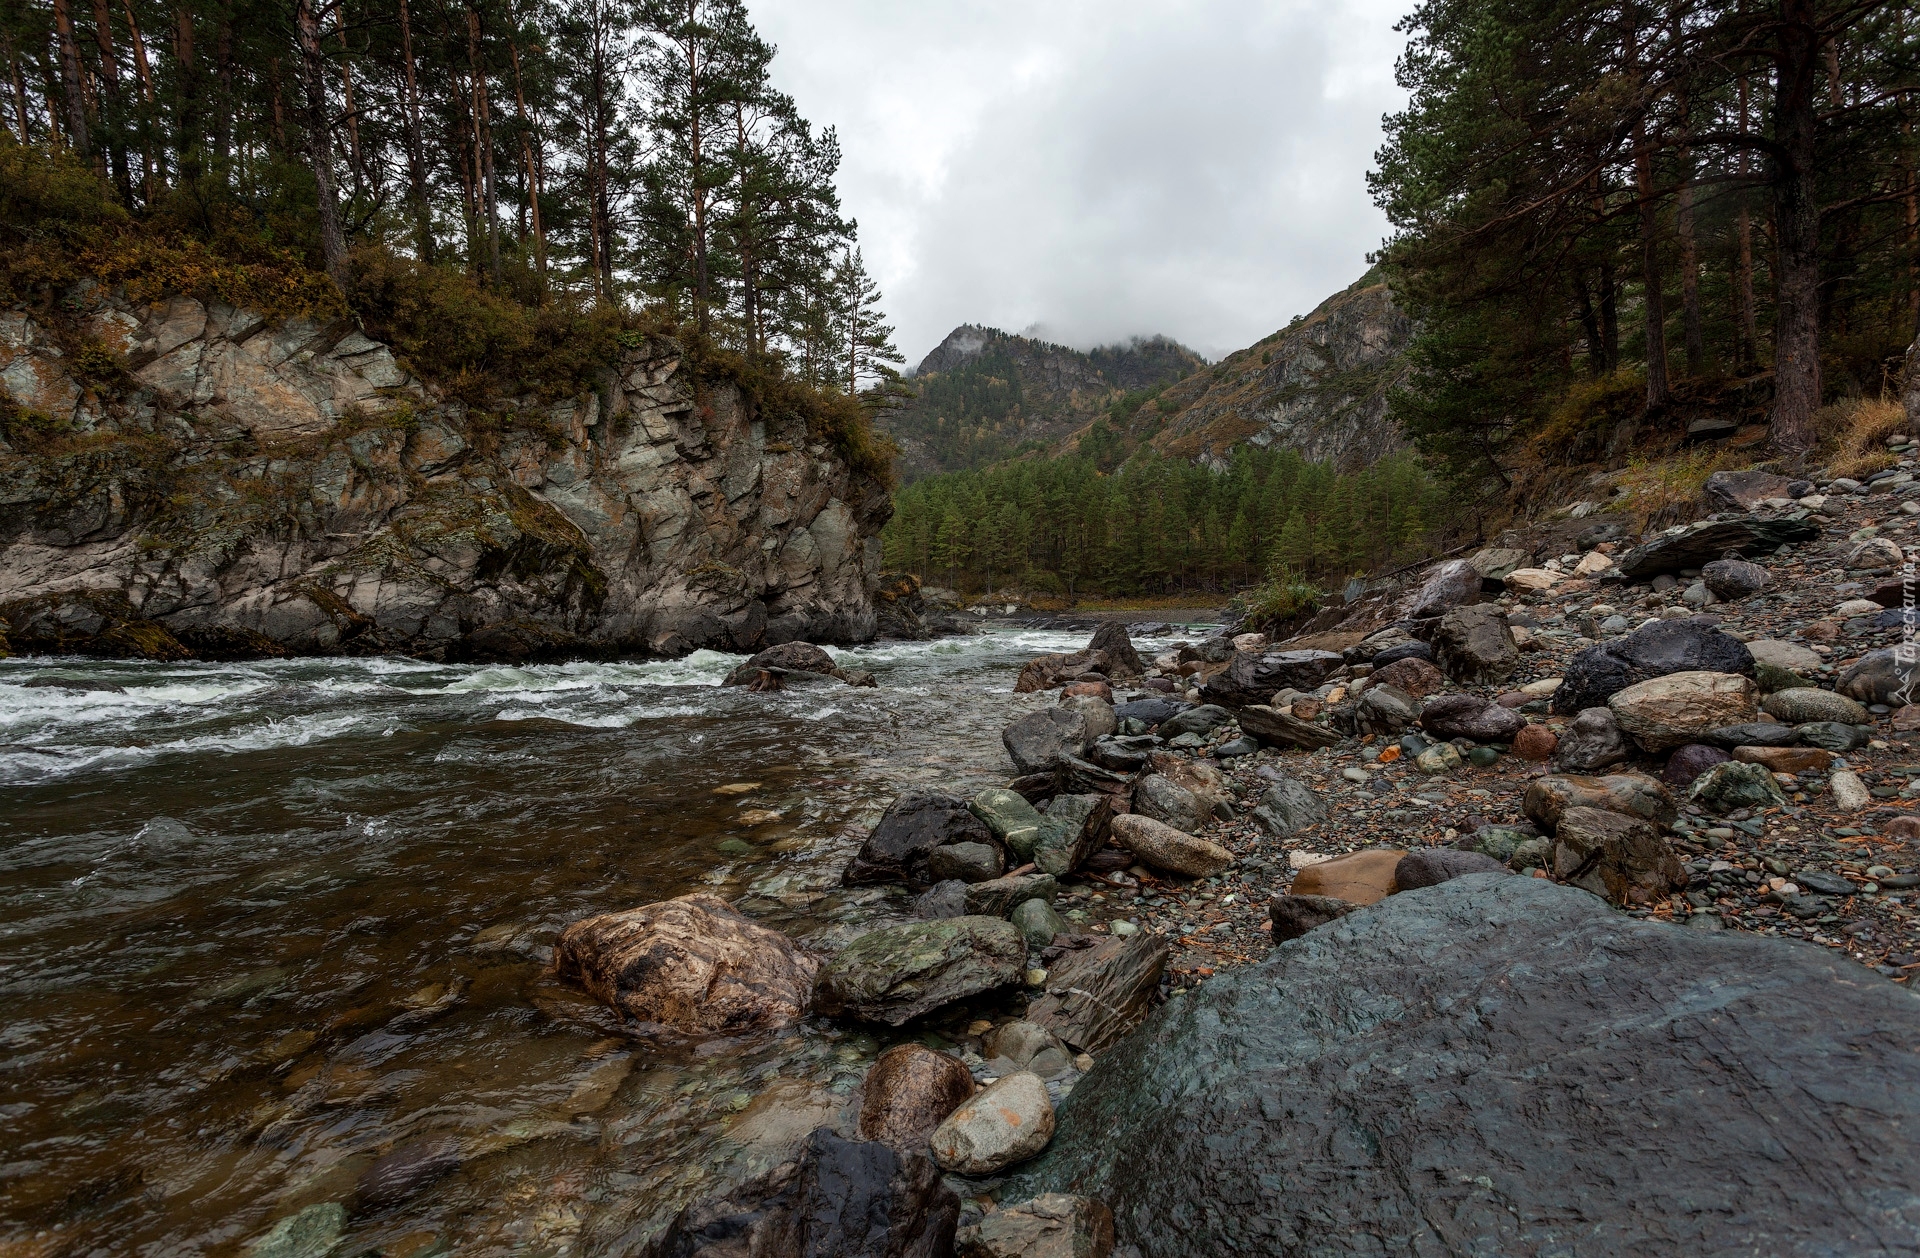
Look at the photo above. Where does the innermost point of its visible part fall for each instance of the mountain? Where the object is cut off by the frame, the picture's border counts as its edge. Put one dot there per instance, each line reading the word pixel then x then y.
pixel 1318 386
pixel 982 395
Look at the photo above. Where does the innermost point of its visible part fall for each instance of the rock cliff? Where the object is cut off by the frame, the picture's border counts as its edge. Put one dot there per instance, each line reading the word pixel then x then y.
pixel 189 479
pixel 1318 386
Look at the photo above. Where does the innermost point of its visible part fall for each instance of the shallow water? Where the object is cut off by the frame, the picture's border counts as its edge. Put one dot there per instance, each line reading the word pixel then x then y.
pixel 263 924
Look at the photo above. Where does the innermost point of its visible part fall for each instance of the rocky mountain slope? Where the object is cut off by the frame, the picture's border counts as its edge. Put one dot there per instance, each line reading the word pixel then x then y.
pixel 1318 386
pixel 196 481
pixel 981 394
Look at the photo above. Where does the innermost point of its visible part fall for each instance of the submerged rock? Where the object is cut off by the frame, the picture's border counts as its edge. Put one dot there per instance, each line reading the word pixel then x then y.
pixel 908 1092
pixel 896 973
pixel 906 834
pixel 1483 1066
pixel 691 963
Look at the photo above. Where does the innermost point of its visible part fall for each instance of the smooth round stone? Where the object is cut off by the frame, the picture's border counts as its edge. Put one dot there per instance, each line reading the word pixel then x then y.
pixel 1689 762
pixel 1241 746
pixel 1483 757
pixel 1123 929
pixel 1354 775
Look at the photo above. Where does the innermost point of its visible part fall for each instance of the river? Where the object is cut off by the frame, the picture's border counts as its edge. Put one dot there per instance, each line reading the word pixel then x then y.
pixel 264 924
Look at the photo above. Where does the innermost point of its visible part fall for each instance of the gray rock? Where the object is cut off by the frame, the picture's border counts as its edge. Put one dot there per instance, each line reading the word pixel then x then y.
pixel 788 657
pixel 311 1233
pixel 1352 1086
pixel 1592 741
pixel 1474 647
pixel 1497 842
pixel 1494 563
pixel 943 899
pixel 1052 1225
pixel 1097 994
pixel 895 974
pixel 1431 866
pixel 1254 677
pixel 1879 677
pixel 1113 639
pixel 1036 740
pixel 1163 799
pixel 1834 736
pixel 851 1198
pixel 1401 651
pixel 1824 883
pixel 1385 709
pixel 966 862
pixel 1288 807
pixel 1743 491
pixel 1001 896
pixel 1083 822
pixel 1037 923
pixel 1442 588
pixel 1470 716
pixel 1735 579
pixel 1151 711
pixel 1666 646
pixel 1097 712
pixel 1283 729
pixel 1696 545
pixel 1803 703
pixel 1010 819
pixel 1294 915
pixel 1201 719
pixel 1006 1123
pixel 1735 785
pixel 1752 734
pixel 906 835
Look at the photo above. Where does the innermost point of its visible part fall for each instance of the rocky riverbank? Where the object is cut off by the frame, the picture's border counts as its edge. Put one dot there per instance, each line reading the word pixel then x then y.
pixel 1552 764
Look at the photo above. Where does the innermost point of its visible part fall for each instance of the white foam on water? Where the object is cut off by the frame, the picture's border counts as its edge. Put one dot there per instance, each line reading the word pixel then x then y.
pixel 36 765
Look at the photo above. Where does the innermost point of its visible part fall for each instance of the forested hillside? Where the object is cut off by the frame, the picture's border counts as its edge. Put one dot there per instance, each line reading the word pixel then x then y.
pixel 982 395
pixel 583 160
pixel 1611 220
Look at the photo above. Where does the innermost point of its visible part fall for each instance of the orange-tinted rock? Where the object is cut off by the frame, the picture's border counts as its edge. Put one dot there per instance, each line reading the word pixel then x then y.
pixel 1535 742
pixel 1097 689
pixel 1414 675
pixel 1358 877
pixel 909 1092
pixel 1786 759
pixel 691 963
pixel 1907 719
pixel 1903 827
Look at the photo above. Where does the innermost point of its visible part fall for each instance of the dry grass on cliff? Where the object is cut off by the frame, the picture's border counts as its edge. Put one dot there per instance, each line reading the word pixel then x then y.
pixel 1854 434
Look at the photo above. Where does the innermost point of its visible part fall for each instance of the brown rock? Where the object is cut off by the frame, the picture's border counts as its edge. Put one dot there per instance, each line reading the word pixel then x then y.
pixel 802 657
pixel 1052 1225
pixel 1096 995
pixel 1901 827
pixel 1618 857
pixel 1667 712
pixel 1097 689
pixel 1786 759
pixel 1359 878
pixel 909 1092
pixel 1414 675
pixel 1431 866
pixel 1049 672
pixel 1294 915
pixel 1631 794
pixel 1163 847
pixel 1535 742
pixel 1283 729
pixel 1906 719
pixel 691 963
pixel 1689 762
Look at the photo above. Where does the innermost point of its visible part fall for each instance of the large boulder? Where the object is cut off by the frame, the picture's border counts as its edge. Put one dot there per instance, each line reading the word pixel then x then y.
pixel 1680 708
pixel 1631 794
pixel 1474 646
pixel 1880 677
pixel 1113 641
pixel 1095 995
pixel 1008 1122
pixel 1494 563
pixel 1696 545
pixel 1163 847
pixel 1036 741
pixel 1255 677
pixel 1164 799
pixel 1387 709
pixel 1743 491
pixel 1052 1225
pixel 906 834
pixel 910 1091
pixel 1364 877
pixel 895 974
pixel 1592 741
pixel 692 963
pixel 1442 588
pixel 1288 807
pixel 1501 1065
pixel 1655 650
pixel 1151 711
pixel 790 657
pixel 1081 830
pixel 1414 674
pixel 1619 858
pixel 1096 711
pixel 836 1198
pixel 1050 672
pixel 1283 729
pixel 1471 716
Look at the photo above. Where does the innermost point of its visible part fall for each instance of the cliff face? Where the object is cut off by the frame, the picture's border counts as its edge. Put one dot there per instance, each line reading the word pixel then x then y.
pixel 981 394
pixel 193 481
pixel 1318 386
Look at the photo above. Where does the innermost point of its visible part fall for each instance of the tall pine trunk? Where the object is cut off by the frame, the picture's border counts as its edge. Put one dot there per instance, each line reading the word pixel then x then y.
pixel 416 158
pixel 333 244
pixel 70 78
pixel 1796 334
pixel 528 144
pixel 483 144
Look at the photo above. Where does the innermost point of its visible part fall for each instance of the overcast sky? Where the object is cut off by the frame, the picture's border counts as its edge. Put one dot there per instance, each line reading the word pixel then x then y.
pixel 1099 168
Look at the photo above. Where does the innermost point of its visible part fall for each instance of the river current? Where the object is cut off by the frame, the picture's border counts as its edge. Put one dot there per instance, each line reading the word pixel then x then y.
pixel 265 925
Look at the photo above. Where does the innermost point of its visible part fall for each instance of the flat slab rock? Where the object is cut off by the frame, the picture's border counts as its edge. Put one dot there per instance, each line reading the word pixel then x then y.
pixel 1498 1065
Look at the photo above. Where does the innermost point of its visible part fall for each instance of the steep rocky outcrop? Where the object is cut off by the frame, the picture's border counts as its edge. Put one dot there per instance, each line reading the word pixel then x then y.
pixel 205 482
pixel 1318 386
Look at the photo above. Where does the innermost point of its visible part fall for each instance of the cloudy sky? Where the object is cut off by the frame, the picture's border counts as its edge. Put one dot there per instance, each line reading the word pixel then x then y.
pixel 1099 168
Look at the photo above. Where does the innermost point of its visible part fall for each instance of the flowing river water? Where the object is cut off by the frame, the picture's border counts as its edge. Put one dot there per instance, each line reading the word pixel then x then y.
pixel 265 925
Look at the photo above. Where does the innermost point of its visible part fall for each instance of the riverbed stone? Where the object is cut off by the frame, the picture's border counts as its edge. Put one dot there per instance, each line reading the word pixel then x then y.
pixel 851 1198
pixel 1051 672
pixel 1537 742
pixel 908 1092
pixel 1096 994
pixel 1052 1225
pixel 1163 799
pixel 1291 916
pixel 692 963
pixel 1262 1075
pixel 1431 866
pixel 1803 704
pixel 1254 677
pixel 1010 818
pixel 1035 741
pixel 1751 734
pixel 1620 858
pixel 1163 847
pixel 312 1232
pixel 1082 823
pixel 1632 794
pixel 1037 922
pixel 1734 785
pixel 1279 728
pixel 1734 579
pixel 1202 718
pixel 1443 587
pixel 1361 878
pixel 1112 640
pixel 1689 762
pixel 943 899
pixel 897 973
pixel 1437 759
pixel 802 657
pixel 1412 675
pixel 1006 1123
pixel 1656 650
pixel 1665 712
pixel 966 862
pixel 1288 807
pixel 1880 677
pixel 1000 896
pixel 1473 645
pixel 1743 491
pixel 1696 545
pixel 1786 759
pixel 1471 716
pixel 1834 736
pixel 904 838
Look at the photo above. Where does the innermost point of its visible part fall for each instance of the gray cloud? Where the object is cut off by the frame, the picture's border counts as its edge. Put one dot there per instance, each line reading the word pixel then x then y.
pixel 1100 168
